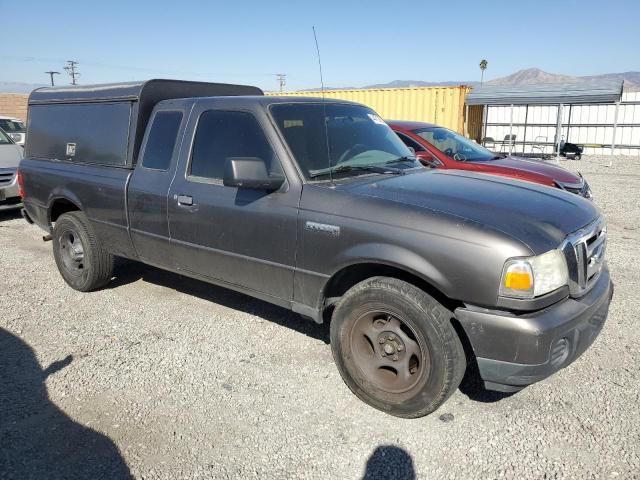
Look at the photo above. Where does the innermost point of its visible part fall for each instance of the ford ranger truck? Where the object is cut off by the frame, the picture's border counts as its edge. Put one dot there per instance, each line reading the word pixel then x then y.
pixel 317 206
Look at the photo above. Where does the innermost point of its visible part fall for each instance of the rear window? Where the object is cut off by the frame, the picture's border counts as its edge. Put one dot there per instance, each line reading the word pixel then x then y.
pixel 162 140
pixel 83 133
pixel 11 126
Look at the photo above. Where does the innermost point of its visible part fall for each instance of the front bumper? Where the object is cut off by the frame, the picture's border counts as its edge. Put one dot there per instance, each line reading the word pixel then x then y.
pixel 514 351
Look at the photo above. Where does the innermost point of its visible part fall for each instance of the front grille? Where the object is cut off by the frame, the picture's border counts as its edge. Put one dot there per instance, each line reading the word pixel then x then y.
pixel 584 251
pixel 6 176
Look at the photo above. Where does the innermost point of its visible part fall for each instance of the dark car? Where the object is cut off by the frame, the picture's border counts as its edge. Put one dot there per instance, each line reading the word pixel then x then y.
pixel 317 206
pixel 442 148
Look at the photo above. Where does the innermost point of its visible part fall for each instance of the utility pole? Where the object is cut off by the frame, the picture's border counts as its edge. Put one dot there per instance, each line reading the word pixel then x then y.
pixel 71 70
pixel 51 74
pixel 282 80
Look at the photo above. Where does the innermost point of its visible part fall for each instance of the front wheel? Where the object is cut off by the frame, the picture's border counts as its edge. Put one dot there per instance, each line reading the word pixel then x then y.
pixel 80 258
pixel 395 347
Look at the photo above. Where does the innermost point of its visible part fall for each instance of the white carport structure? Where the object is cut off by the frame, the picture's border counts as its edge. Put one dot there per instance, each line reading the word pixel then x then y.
pixel 533 119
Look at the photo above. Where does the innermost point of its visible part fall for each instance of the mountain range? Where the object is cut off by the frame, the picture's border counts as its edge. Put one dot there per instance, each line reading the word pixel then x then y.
pixel 525 77
pixel 521 77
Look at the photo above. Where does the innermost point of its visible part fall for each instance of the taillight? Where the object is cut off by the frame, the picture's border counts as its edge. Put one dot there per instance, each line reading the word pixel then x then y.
pixel 20 184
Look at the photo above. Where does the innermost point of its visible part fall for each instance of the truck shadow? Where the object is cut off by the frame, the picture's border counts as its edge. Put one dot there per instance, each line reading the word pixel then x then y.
pixel 473 387
pixel 7 215
pixel 130 271
pixel 38 440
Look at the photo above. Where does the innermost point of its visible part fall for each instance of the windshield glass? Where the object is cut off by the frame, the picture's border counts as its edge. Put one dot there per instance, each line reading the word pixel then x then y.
pixel 454 145
pixel 4 139
pixel 11 126
pixel 354 136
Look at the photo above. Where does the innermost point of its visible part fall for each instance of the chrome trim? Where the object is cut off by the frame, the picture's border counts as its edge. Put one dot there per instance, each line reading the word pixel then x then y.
pixel 584 252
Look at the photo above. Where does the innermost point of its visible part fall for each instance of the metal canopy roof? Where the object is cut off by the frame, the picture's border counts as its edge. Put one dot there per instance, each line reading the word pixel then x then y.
pixel 150 90
pixel 547 93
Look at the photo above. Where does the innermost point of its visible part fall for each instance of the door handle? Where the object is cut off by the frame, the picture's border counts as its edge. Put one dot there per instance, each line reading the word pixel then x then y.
pixel 185 200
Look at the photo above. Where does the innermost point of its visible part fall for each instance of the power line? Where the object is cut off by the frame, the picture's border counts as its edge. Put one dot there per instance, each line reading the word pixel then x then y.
pixel 71 70
pixel 51 74
pixel 282 80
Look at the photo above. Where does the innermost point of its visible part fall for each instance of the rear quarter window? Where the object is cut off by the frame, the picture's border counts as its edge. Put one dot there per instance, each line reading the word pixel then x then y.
pixel 162 140
pixel 100 132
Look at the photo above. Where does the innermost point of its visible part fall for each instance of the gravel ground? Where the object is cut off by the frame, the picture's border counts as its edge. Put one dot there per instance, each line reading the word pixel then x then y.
pixel 165 377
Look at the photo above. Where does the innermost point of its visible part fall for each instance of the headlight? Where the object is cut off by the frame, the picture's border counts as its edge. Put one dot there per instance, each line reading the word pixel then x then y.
pixel 534 276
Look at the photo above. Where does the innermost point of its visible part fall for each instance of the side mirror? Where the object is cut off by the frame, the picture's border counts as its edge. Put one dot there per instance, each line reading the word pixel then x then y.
pixel 428 160
pixel 249 172
pixel 412 150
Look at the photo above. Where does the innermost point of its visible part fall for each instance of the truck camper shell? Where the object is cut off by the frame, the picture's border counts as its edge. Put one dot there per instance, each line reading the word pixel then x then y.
pixel 74 123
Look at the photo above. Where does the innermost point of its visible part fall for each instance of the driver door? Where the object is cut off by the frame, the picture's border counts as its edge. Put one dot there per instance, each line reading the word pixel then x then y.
pixel 238 236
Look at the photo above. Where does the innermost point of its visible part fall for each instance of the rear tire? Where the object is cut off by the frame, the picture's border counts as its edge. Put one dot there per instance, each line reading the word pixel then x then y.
pixel 396 348
pixel 79 255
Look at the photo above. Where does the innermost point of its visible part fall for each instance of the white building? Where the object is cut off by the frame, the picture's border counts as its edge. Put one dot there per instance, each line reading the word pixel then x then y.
pixel 527 119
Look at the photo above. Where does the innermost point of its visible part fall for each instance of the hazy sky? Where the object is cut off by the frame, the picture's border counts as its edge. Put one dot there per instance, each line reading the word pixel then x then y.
pixel 361 42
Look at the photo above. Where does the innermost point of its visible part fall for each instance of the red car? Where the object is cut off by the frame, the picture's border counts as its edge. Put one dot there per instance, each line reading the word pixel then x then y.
pixel 440 147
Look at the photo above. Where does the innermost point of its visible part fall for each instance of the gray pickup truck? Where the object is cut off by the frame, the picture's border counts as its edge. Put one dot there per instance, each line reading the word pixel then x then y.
pixel 316 205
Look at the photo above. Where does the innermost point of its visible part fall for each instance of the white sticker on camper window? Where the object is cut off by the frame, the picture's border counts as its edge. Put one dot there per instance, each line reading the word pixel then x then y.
pixel 376 119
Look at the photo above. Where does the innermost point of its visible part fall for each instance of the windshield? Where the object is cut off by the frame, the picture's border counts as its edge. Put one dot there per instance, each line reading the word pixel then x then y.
pixel 11 126
pixel 354 139
pixel 4 139
pixel 454 145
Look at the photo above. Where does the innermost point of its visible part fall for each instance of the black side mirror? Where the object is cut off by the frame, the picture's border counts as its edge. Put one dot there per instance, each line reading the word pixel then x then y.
pixel 249 172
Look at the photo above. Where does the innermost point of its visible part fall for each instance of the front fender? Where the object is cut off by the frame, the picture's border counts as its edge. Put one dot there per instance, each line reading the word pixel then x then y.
pixel 394 256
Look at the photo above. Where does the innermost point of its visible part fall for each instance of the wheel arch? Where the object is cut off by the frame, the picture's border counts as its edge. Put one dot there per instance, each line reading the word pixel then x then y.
pixel 354 273
pixel 62 203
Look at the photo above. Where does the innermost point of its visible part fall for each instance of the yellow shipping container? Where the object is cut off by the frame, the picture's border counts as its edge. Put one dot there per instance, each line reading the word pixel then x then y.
pixel 441 105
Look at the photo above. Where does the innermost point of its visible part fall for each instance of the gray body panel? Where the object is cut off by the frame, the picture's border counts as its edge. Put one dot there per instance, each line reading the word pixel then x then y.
pixel 451 229
pixel 10 156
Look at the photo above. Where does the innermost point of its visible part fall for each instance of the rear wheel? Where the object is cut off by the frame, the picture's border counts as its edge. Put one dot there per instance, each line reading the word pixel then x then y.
pixel 395 347
pixel 80 258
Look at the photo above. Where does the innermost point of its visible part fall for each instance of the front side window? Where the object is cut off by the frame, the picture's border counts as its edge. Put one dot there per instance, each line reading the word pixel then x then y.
pixel 222 135
pixel 162 140
pixel 410 142
pixel 325 137
pixel 454 145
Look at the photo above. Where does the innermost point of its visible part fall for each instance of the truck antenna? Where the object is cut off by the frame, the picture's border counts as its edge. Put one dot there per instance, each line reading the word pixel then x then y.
pixel 324 107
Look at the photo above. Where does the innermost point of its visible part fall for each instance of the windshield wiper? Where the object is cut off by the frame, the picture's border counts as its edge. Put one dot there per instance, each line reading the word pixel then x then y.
pixel 353 168
pixel 404 158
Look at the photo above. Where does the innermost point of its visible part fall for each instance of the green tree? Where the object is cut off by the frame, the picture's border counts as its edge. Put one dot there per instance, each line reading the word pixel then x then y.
pixel 483 67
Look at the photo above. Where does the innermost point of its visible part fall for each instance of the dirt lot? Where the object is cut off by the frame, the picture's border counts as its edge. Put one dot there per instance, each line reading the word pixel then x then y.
pixel 165 377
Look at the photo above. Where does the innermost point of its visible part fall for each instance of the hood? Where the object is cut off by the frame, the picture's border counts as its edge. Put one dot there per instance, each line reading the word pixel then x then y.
pixel 535 215
pixel 540 167
pixel 10 155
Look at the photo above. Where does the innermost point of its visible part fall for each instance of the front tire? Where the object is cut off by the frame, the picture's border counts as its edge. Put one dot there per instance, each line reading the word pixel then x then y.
pixel 79 255
pixel 395 347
